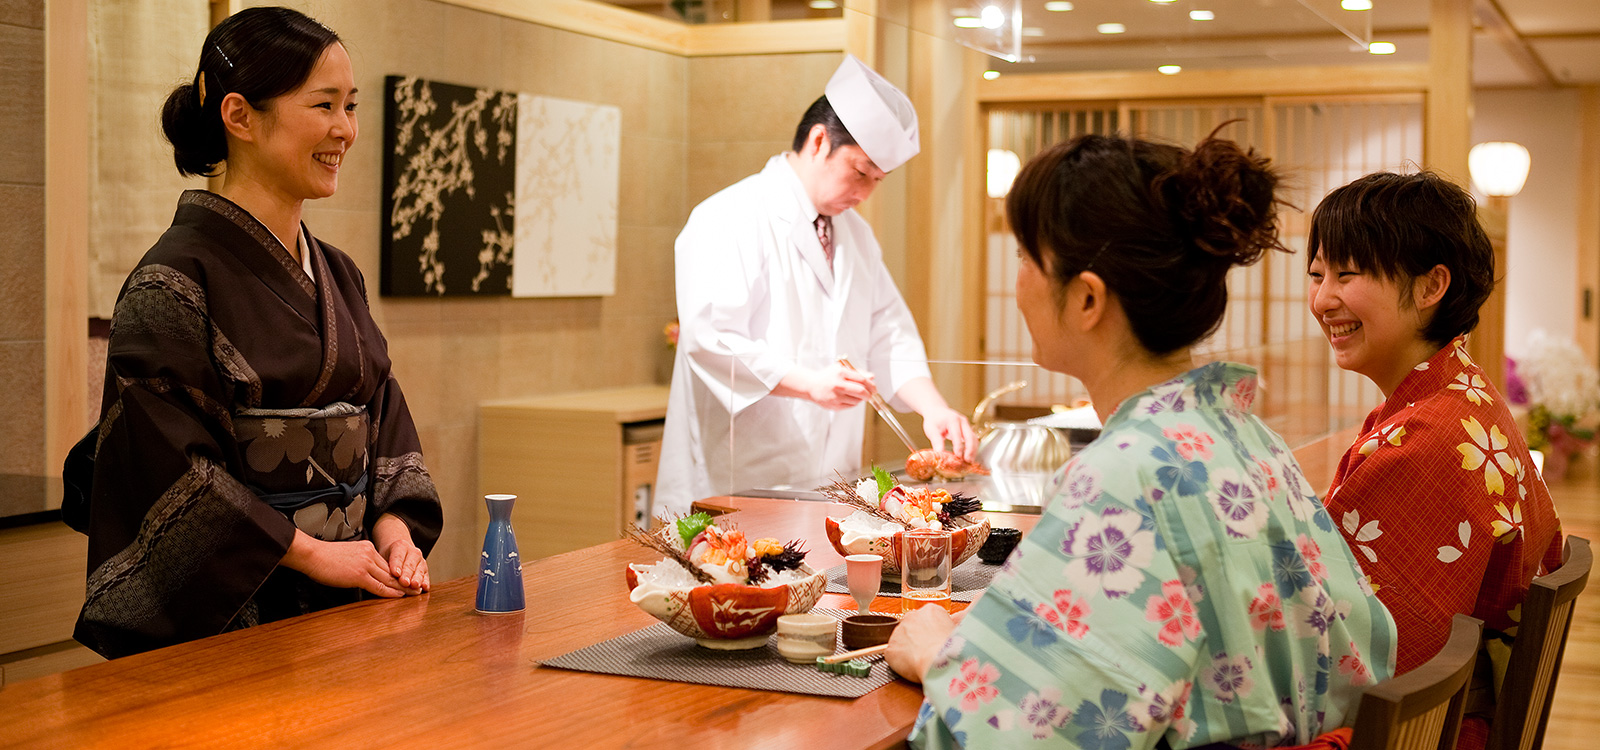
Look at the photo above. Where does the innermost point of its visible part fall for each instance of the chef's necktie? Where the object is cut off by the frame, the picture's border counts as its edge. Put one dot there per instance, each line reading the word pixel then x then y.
pixel 825 236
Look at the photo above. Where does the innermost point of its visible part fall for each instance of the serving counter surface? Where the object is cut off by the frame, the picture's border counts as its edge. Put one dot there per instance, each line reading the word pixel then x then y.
pixel 429 671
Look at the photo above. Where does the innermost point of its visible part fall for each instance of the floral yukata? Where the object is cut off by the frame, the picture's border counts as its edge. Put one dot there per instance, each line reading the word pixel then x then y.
pixel 1440 499
pixel 1183 584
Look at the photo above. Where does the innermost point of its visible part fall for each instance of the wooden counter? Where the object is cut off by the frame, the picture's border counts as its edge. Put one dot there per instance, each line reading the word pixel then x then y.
pixel 429 672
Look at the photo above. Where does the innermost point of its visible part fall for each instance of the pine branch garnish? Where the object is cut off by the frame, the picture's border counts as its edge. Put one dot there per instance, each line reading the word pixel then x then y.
pixel 842 491
pixel 666 547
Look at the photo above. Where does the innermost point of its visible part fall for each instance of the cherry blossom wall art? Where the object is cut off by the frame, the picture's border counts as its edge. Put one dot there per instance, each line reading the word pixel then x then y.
pixel 494 193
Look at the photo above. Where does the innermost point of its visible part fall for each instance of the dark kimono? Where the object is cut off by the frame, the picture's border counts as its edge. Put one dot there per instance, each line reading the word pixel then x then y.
pixel 242 401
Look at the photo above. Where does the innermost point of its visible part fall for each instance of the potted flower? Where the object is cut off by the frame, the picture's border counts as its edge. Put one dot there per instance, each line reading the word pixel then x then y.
pixel 1561 391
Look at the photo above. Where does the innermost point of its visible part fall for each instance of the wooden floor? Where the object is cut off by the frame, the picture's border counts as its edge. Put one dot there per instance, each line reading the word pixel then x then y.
pixel 1574 720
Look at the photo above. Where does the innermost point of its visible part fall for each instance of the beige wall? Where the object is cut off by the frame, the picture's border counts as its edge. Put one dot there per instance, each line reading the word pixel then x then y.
pixel 1542 246
pixel 139 50
pixel 22 432
pixel 743 109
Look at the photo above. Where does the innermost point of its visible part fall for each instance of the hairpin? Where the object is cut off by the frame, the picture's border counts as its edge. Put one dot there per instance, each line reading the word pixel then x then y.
pixel 224 55
pixel 1096 256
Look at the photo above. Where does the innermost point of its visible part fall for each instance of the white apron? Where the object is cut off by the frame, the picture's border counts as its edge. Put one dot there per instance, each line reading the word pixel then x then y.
pixel 756 299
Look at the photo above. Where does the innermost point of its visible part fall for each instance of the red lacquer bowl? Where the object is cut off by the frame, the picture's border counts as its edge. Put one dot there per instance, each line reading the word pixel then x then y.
pixel 728 616
pixel 964 543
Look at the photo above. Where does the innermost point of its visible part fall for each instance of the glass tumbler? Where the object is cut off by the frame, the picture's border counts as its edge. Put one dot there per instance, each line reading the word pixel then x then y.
pixel 924 569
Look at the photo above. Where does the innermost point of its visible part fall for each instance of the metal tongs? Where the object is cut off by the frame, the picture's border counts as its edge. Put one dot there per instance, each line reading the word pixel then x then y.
pixel 882 407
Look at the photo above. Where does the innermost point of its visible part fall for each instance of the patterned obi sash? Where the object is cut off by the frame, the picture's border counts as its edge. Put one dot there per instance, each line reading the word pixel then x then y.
pixel 309 464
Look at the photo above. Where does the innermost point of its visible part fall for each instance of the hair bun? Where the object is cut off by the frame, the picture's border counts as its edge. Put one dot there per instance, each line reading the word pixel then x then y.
pixel 1220 199
pixel 197 145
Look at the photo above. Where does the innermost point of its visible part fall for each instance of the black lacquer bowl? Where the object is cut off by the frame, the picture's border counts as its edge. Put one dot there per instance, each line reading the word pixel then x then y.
pixel 998 546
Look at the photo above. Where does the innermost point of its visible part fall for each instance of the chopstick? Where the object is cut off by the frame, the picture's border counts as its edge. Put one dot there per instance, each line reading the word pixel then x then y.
pixel 857 654
pixel 882 407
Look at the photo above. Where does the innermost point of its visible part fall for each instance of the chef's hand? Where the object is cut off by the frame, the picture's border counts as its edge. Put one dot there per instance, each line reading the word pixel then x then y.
pixel 344 565
pixel 835 387
pixel 392 537
pixel 917 640
pixel 948 424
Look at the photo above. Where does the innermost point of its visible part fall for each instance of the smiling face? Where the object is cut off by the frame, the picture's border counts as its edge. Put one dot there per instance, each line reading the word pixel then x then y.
pixel 307 132
pixel 1371 322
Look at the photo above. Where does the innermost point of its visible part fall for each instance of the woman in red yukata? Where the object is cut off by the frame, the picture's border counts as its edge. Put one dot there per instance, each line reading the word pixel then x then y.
pixel 1438 496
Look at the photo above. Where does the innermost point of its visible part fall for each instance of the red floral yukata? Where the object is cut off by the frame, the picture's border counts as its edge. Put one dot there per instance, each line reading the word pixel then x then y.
pixel 1440 500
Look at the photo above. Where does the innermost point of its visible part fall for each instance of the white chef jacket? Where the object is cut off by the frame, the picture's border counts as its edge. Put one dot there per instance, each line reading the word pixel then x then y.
pixel 756 298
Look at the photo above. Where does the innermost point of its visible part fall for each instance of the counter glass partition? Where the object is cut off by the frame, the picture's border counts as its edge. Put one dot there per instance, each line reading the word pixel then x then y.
pixel 754 442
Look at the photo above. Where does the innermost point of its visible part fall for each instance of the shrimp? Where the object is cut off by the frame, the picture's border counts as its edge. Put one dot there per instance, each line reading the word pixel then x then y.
pixel 925 465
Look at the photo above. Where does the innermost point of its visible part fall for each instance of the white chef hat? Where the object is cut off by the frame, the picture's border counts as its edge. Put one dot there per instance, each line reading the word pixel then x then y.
pixel 878 116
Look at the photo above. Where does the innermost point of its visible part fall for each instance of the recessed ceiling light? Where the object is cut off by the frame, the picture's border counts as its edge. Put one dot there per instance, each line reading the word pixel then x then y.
pixel 1170 70
pixel 992 17
pixel 1058 6
pixel 968 22
pixel 1163 2
pixel 1111 28
pixel 989 75
pixel 1381 48
pixel 823 4
pixel 1202 15
pixel 1032 31
pixel 1356 4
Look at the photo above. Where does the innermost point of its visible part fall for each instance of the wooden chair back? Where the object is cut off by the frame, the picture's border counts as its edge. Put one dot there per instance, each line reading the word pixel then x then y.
pixel 1523 703
pixel 1422 709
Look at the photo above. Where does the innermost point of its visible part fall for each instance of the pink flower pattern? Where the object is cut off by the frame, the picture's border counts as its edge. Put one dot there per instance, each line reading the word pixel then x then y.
pixel 1243 394
pixel 1069 614
pixel 975 685
pixel 1175 613
pixel 1313 556
pixel 1193 444
pixel 1352 666
pixel 1266 610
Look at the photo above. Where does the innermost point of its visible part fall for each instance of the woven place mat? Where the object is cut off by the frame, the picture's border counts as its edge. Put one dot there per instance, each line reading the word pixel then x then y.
pixel 661 653
pixel 967 581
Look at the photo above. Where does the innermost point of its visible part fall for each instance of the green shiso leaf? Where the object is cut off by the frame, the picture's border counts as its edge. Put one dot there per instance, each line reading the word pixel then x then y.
pixel 885 481
pixel 690 526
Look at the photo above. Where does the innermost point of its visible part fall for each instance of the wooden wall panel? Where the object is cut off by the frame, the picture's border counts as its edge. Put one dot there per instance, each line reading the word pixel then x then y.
pixel 41 587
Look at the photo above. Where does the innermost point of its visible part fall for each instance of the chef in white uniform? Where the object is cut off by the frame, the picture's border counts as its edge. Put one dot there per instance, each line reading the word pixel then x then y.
pixel 777 278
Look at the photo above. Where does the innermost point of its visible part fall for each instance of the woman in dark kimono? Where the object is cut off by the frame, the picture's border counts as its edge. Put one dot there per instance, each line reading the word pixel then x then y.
pixel 255 458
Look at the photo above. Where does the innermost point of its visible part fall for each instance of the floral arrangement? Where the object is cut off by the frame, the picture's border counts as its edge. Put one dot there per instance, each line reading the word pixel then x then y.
pixel 1561 390
pixel 670 333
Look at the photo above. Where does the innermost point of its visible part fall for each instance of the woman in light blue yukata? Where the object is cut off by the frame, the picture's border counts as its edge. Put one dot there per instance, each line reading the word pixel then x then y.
pixel 1184 585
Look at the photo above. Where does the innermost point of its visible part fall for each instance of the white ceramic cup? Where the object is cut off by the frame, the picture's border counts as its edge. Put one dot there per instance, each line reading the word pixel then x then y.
pixel 804 637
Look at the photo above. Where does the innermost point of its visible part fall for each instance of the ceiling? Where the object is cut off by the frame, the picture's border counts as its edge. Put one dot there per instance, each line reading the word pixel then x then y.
pixel 1518 42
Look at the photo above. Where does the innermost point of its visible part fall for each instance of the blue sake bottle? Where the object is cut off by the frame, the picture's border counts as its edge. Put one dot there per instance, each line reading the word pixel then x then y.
pixel 500 568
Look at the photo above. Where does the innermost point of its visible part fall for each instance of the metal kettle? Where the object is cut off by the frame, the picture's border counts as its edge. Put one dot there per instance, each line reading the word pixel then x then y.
pixel 1017 447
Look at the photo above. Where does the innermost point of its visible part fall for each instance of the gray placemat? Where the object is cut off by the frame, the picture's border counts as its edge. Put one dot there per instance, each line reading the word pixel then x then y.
pixel 967 581
pixel 661 653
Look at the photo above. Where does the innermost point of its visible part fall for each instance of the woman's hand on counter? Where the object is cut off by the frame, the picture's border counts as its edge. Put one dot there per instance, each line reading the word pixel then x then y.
pixel 392 537
pixel 349 565
pixel 917 640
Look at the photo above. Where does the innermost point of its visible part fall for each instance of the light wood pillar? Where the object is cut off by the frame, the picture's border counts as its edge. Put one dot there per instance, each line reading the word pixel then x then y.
pixel 1487 344
pixel 66 227
pixel 1447 133
pixel 1587 328
pixel 753 11
pixel 1447 138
